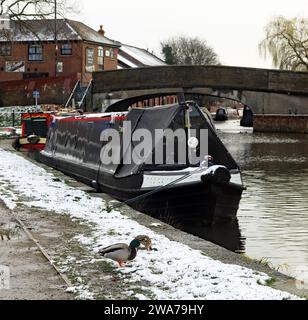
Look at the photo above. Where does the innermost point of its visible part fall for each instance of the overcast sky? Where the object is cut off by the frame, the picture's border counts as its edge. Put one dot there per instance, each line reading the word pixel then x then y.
pixel 232 27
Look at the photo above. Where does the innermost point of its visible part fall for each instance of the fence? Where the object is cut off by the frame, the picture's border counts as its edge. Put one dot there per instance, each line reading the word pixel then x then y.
pixel 11 116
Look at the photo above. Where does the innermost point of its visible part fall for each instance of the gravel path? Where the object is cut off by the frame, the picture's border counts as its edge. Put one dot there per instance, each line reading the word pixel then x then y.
pixel 31 276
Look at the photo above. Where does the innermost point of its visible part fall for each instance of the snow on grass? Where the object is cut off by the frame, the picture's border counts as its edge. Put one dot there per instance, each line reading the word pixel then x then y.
pixel 174 271
pixel 6 114
pixel 7 196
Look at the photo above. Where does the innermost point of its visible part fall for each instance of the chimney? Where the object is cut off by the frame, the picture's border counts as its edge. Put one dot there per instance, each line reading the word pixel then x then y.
pixel 101 30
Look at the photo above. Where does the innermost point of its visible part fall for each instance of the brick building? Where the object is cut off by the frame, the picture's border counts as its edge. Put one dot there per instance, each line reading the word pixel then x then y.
pixel 28 50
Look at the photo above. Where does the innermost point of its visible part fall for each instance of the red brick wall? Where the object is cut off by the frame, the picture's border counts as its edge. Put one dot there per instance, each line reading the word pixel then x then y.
pixel 280 123
pixel 72 64
pixel 52 91
pixel 109 63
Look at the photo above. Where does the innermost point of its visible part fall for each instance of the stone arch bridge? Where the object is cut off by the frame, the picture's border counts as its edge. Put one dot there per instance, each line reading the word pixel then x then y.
pixel 264 91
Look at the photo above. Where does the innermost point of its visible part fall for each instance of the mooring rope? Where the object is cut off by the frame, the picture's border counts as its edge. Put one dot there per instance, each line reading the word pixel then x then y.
pixel 158 189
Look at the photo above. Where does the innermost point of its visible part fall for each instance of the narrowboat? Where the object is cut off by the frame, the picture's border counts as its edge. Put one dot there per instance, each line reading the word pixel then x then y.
pixel 247 120
pixel 34 129
pixel 221 115
pixel 183 190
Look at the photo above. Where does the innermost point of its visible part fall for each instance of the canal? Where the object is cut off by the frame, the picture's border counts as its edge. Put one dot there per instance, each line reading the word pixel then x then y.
pixel 272 224
pixel 273 215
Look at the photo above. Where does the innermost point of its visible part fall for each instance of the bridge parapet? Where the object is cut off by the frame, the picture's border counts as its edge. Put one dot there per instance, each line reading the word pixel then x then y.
pixel 215 77
pixel 265 91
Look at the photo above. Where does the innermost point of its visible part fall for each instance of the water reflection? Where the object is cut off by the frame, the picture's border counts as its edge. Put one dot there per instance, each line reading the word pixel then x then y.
pixel 273 213
pixel 226 234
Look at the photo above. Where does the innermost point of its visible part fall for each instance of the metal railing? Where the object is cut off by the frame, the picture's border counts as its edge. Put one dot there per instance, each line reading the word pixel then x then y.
pixel 85 94
pixel 72 94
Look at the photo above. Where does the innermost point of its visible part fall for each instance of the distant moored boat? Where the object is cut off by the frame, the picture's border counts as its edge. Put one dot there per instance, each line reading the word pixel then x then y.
pixel 34 129
pixel 221 115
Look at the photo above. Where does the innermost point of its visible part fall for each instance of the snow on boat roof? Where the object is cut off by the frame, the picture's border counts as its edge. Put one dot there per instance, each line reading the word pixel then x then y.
pixel 91 116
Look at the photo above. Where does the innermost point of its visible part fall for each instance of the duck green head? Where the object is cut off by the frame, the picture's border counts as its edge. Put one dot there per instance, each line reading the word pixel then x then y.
pixel 135 243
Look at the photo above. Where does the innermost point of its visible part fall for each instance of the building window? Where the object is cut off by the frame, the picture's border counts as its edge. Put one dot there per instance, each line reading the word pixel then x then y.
pixel 66 49
pixel 100 58
pixel 5 50
pixel 4 21
pixel 35 53
pixel 90 60
pixel 109 53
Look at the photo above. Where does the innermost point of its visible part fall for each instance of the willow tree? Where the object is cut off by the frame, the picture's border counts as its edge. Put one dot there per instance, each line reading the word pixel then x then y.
pixel 287 43
pixel 185 50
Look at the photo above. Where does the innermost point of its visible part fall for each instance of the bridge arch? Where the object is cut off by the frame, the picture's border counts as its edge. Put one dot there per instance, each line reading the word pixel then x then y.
pixel 265 91
pixel 159 99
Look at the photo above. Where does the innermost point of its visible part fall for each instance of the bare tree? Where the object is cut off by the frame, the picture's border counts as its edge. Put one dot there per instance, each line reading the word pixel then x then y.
pixel 21 13
pixel 184 50
pixel 287 43
pixel 34 9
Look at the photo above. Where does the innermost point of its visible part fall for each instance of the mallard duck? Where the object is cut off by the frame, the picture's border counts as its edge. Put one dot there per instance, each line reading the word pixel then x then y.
pixel 121 252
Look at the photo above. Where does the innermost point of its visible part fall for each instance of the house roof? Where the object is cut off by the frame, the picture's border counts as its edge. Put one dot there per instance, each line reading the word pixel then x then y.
pixel 43 30
pixel 4 17
pixel 134 57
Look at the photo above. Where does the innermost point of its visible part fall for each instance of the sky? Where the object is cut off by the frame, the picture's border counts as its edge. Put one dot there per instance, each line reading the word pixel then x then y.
pixel 233 28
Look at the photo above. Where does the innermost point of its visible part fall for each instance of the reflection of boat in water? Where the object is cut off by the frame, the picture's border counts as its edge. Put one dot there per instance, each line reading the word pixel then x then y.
pixel 74 147
pixel 226 234
pixel 34 131
pixel 221 115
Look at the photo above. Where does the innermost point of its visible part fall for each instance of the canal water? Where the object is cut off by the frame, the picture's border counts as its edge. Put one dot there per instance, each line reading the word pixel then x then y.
pixel 273 215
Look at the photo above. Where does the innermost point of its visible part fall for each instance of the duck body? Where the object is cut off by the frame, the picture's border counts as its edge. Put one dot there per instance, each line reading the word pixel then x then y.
pixel 121 252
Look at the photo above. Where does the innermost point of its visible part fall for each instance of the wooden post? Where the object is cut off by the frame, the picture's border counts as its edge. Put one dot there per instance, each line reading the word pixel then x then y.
pixel 13 118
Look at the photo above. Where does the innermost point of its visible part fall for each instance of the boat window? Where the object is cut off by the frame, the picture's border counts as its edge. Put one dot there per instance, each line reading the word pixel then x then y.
pixel 37 126
pixel 171 158
pixel 215 146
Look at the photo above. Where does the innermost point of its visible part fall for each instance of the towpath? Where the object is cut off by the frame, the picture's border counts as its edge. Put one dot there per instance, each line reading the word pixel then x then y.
pixel 71 223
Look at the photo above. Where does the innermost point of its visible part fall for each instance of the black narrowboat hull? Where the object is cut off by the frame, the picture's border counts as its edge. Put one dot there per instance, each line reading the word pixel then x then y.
pixel 75 147
pixel 202 202
pixel 199 202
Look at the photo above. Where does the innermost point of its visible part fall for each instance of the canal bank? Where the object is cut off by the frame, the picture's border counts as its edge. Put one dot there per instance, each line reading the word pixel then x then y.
pixel 184 266
pixel 31 277
pixel 284 123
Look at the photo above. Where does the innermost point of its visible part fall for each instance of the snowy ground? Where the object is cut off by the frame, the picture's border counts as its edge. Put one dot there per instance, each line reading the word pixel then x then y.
pixel 6 114
pixel 174 271
pixel 231 126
